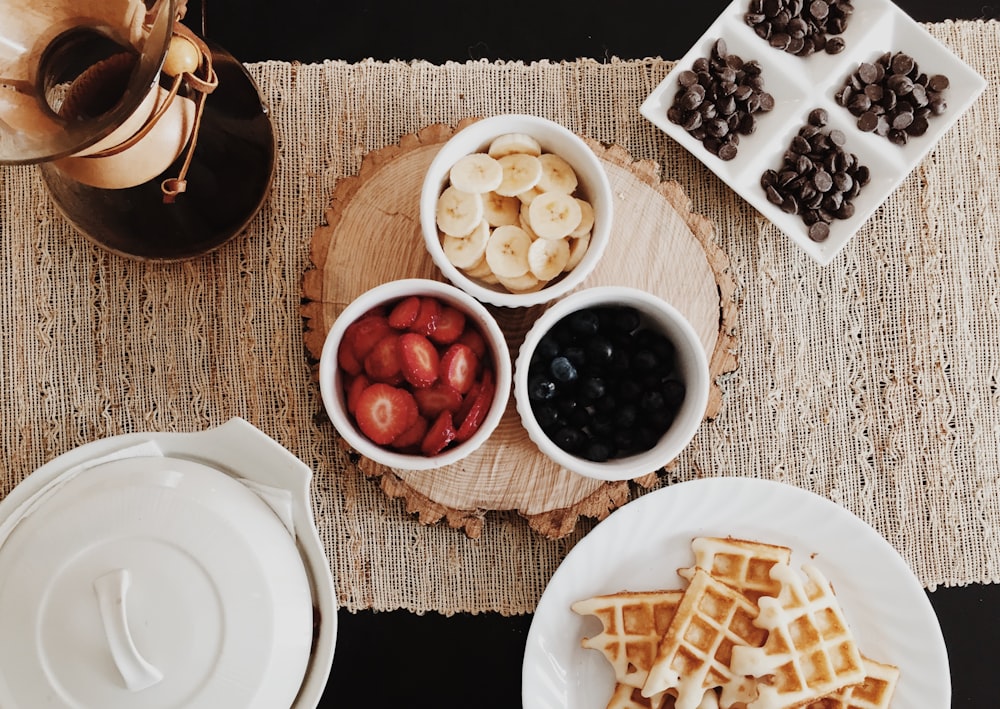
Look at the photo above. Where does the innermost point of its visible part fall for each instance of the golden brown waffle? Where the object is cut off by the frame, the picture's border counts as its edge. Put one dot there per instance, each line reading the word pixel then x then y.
pixel 743 564
pixel 874 692
pixel 633 625
pixel 626 697
pixel 711 622
pixel 810 651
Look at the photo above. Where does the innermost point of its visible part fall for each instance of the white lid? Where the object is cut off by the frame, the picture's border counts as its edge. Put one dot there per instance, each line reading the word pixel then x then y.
pixel 159 573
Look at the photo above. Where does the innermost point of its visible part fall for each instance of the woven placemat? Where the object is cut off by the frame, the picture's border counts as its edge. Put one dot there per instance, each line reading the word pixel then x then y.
pixel 874 381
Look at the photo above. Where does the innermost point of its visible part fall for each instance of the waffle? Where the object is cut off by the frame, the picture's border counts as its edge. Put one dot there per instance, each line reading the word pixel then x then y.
pixel 711 622
pixel 626 697
pixel 810 651
pixel 745 565
pixel 874 692
pixel 633 625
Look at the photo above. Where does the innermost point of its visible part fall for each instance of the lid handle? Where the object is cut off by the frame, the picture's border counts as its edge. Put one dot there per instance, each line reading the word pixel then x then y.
pixel 137 673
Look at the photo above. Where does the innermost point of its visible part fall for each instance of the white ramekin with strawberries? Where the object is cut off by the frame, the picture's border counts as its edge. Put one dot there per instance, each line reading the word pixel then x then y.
pixel 415 374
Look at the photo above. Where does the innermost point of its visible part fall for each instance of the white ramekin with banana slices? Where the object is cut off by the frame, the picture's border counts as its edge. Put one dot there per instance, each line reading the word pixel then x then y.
pixel 516 210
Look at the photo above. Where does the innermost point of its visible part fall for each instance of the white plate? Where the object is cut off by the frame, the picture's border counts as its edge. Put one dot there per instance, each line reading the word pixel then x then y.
pixel 800 84
pixel 641 545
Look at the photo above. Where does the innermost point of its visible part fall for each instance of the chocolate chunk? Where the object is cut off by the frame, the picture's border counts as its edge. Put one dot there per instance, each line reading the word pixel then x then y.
pixel 717 98
pixel 891 97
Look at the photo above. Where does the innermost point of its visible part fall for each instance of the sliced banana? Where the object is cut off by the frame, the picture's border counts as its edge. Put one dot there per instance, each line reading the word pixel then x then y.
pixel 521 172
pixel 477 172
pixel 465 251
pixel 586 218
pixel 480 269
pixel 577 248
pixel 514 143
pixel 500 210
pixel 547 258
pixel 557 174
pixel 507 251
pixel 458 212
pixel 528 196
pixel 527 283
pixel 553 215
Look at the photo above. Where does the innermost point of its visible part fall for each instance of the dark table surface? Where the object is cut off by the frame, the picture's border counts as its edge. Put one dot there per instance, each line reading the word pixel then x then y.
pixel 402 659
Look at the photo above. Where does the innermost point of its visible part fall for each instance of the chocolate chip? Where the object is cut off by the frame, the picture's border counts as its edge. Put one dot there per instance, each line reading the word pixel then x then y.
pixel 717 99
pixel 892 98
pixel 800 28
pixel 818 178
pixel 819 231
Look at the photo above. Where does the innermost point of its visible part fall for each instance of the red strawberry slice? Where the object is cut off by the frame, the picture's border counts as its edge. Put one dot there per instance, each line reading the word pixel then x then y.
pixel 364 333
pixel 420 359
pixel 439 435
pixel 427 317
pixel 385 361
pixel 354 387
pixel 450 325
pixel 474 339
pixel 383 412
pixel 477 412
pixel 412 437
pixel 437 398
pixel 404 313
pixel 347 360
pixel 459 367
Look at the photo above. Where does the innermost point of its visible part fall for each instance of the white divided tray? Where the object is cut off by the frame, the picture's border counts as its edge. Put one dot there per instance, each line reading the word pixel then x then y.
pixel 800 84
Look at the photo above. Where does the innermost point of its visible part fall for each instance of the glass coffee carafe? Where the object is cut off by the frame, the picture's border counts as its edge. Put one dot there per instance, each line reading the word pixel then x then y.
pixel 152 142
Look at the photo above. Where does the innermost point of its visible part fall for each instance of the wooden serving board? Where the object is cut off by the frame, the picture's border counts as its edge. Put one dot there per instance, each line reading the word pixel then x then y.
pixel 372 235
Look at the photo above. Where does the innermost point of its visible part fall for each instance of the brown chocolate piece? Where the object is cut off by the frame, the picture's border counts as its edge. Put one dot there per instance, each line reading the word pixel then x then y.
pixel 717 98
pixel 800 27
pixel 892 98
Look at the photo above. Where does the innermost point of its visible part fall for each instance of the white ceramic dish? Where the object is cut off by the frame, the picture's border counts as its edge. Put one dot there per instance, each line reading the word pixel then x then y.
pixel 201 463
pixel 692 364
pixel 640 546
pixel 553 138
pixel 331 377
pixel 800 84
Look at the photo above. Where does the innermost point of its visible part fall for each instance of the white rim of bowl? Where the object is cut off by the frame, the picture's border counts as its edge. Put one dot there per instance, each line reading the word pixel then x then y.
pixel 331 384
pixel 475 137
pixel 690 415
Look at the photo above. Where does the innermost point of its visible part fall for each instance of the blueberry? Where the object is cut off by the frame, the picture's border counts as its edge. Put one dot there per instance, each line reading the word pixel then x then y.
pixel 652 400
pixel 625 416
pixel 547 347
pixel 592 388
pixel 541 389
pixel 563 371
pixel 547 414
pixel 645 360
pixel 602 425
pixel 569 439
pixel 599 351
pixel 584 322
pixel 576 355
pixel 626 319
pixel 598 450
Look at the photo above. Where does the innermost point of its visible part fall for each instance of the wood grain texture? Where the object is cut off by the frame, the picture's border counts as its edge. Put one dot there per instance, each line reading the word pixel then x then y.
pixel 372 235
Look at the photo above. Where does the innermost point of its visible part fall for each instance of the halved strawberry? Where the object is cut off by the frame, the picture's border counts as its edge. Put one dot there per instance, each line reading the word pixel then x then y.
pixel 413 436
pixel 384 362
pixel 363 334
pixel 439 435
pixel 347 360
pixel 450 325
pixel 437 398
pixel 477 412
pixel 474 339
pixel 404 313
pixel 420 359
pixel 427 317
pixel 353 389
pixel 459 367
pixel 384 412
